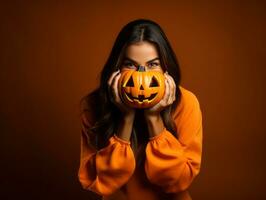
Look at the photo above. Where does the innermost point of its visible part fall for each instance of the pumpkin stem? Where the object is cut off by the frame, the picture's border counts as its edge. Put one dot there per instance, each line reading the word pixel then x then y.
pixel 141 69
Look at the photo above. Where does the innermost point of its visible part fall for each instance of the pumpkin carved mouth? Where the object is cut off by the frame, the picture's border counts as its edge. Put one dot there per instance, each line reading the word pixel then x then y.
pixel 141 98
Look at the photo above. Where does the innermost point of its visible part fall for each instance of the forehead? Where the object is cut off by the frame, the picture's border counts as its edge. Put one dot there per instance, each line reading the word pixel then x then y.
pixel 141 51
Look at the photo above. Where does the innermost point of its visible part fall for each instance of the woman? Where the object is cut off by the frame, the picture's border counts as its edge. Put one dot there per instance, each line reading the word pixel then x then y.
pixel 151 153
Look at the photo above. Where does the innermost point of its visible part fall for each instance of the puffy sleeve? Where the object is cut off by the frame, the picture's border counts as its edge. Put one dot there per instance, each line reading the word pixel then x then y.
pixel 173 163
pixel 106 170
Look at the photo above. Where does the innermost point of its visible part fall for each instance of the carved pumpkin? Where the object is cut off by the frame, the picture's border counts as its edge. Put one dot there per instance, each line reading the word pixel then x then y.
pixel 141 89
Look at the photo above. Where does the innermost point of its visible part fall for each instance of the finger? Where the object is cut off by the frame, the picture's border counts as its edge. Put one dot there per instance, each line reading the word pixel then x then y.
pixel 172 89
pixel 169 100
pixel 110 83
pixel 110 80
pixel 114 87
pixel 167 93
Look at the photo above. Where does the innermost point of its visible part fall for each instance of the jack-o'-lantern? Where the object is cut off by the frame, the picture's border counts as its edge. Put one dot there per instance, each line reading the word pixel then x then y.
pixel 141 89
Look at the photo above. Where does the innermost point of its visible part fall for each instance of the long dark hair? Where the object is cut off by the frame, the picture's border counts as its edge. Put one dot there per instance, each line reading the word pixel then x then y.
pixel 98 104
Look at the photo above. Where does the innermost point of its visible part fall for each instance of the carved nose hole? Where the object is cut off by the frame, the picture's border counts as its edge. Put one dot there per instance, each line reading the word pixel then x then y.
pixel 141 87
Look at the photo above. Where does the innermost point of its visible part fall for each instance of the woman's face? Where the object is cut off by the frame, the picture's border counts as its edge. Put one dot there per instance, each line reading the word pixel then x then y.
pixel 144 54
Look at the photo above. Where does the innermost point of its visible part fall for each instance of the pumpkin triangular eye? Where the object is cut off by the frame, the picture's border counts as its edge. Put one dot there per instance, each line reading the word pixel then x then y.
pixel 130 82
pixel 154 82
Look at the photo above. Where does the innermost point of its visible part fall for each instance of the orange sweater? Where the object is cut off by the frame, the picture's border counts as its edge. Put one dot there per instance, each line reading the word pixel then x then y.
pixel 171 164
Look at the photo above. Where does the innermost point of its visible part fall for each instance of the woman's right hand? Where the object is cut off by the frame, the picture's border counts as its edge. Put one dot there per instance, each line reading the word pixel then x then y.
pixel 114 95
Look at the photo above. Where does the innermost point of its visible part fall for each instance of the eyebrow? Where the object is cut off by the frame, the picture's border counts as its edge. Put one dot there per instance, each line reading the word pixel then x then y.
pixel 126 58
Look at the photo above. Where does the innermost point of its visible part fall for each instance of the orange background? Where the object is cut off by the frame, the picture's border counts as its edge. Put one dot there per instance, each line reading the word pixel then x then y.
pixel 52 54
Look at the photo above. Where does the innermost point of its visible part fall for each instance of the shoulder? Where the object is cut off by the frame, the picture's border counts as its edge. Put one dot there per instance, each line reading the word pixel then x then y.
pixel 188 101
pixel 188 96
pixel 188 117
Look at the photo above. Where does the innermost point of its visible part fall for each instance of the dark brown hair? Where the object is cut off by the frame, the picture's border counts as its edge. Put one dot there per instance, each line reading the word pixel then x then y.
pixel 98 104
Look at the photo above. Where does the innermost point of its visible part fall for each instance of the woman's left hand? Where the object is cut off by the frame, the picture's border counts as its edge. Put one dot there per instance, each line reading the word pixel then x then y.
pixel 168 99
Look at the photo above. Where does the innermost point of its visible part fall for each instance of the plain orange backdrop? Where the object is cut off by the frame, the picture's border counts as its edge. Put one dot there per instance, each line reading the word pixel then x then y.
pixel 52 54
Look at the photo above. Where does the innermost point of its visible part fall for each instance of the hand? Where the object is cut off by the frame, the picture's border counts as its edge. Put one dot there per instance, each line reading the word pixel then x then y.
pixel 168 99
pixel 114 95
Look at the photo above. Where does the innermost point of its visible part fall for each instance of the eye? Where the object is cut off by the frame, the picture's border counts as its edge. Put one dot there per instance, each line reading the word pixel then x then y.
pixel 153 64
pixel 129 65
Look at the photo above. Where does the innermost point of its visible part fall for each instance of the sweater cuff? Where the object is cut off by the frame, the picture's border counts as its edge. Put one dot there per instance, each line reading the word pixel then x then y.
pixel 158 136
pixel 120 140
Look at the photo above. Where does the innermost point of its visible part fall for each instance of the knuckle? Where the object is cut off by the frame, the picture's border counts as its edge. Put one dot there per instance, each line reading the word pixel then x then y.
pixel 117 77
pixel 110 79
